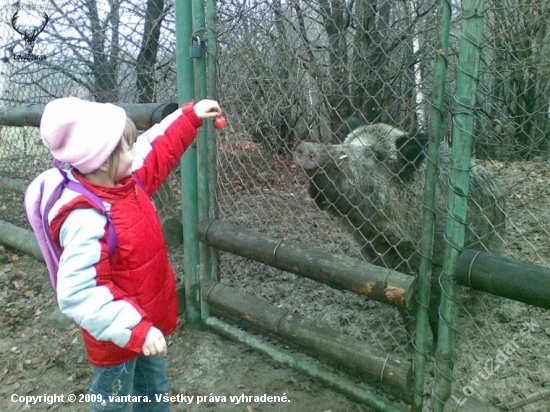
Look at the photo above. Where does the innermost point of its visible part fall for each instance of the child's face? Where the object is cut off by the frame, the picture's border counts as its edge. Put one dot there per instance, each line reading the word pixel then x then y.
pixel 125 161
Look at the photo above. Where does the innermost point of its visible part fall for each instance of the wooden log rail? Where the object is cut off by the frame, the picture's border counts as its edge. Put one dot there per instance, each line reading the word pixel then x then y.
pixel 20 239
pixel 338 271
pixel 13 183
pixel 345 386
pixel 385 369
pixel 144 115
pixel 500 276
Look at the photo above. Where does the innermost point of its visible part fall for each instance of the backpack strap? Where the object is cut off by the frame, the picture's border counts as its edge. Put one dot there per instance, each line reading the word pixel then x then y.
pixel 139 182
pixel 79 188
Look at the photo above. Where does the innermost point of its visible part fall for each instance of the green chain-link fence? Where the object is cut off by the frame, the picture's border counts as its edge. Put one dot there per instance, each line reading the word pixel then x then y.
pixel 294 71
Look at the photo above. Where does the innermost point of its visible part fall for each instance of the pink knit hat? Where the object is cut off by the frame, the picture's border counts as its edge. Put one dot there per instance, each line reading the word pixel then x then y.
pixel 82 133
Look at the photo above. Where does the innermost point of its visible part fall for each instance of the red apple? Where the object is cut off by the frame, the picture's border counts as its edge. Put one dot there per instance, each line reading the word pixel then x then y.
pixel 220 122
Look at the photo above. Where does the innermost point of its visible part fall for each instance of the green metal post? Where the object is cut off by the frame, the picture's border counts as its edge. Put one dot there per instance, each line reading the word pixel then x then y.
pixel 425 272
pixel 203 144
pixel 463 126
pixel 207 154
pixel 186 92
pixel 212 50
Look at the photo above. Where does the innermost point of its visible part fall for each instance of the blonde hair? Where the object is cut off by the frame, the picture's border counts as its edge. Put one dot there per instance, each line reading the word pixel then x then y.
pixel 129 136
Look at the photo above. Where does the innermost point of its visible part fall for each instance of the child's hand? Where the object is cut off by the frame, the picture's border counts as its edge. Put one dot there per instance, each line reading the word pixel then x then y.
pixel 207 108
pixel 155 344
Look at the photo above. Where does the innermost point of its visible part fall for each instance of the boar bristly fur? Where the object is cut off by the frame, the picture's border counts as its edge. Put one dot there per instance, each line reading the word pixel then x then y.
pixel 374 183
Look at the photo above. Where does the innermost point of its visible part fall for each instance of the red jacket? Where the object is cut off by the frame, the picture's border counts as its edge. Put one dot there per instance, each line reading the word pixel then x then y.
pixel 116 300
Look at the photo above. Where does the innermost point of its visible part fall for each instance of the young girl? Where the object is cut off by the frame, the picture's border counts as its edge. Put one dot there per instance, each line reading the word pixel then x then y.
pixel 125 303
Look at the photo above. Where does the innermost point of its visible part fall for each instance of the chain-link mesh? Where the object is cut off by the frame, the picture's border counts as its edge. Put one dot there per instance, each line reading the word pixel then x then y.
pixel 292 72
pixel 501 343
pixel 295 71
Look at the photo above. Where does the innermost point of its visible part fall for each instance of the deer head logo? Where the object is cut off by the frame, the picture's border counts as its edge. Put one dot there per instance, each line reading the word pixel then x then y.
pixel 29 35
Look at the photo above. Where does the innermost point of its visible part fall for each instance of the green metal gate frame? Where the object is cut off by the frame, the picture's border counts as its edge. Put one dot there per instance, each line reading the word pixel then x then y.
pixel 195 24
pixel 463 132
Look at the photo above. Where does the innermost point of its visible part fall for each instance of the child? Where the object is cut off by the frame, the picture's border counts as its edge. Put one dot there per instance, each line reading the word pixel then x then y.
pixel 126 303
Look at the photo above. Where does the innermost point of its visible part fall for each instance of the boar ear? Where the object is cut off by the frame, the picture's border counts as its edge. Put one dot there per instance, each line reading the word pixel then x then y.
pixel 411 151
pixel 349 125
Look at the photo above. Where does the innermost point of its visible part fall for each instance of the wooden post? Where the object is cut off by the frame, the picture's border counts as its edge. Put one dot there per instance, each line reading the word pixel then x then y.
pixel 500 276
pixel 383 368
pixel 21 239
pixel 338 271
pixel 143 115
pixel 13 183
pixel 347 387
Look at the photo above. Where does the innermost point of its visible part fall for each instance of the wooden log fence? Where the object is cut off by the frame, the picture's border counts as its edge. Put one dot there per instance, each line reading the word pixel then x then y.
pixel 20 239
pixel 144 115
pixel 345 386
pixel 338 271
pixel 504 277
pixel 383 368
pixel 15 184
pixel 481 271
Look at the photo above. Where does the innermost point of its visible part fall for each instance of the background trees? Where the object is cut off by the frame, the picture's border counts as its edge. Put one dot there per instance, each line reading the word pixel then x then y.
pixel 106 50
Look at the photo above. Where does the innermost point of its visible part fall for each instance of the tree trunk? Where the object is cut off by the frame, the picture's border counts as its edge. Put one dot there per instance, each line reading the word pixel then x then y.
pixel 148 54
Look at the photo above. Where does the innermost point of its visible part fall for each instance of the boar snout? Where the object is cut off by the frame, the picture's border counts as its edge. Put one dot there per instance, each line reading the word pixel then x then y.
pixel 306 155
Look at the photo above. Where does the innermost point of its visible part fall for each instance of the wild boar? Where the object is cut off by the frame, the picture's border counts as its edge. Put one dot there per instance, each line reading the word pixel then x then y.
pixel 374 184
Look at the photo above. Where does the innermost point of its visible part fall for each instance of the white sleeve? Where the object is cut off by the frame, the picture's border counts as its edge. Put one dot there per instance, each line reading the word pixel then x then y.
pixel 91 306
pixel 144 143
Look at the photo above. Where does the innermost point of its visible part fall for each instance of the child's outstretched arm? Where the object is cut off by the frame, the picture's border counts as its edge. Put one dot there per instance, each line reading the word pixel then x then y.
pixel 159 149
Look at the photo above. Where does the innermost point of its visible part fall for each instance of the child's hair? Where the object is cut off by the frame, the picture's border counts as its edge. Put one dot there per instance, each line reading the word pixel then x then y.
pixel 129 136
